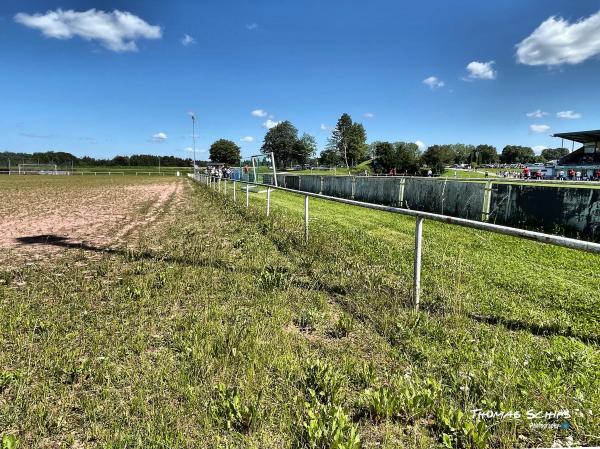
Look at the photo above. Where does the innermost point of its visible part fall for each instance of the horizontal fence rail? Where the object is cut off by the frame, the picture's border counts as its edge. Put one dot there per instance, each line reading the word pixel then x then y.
pixel 568 210
pixel 420 216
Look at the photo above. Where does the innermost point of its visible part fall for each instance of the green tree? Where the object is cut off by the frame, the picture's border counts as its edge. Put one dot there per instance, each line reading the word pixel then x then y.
pixel 339 139
pixel 438 156
pixel 409 156
pixel 358 149
pixel 121 161
pixel 349 140
pixel 516 154
pixel 303 149
pixel 329 157
pixel 403 156
pixel 551 154
pixel 280 141
pixel 225 151
pixel 386 156
pixel 463 152
pixel 484 154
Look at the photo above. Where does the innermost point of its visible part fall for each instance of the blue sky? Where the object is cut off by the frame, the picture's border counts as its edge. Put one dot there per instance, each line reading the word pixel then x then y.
pixel 103 83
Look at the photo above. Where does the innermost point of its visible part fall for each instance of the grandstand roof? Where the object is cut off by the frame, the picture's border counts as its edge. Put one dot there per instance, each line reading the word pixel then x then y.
pixel 581 136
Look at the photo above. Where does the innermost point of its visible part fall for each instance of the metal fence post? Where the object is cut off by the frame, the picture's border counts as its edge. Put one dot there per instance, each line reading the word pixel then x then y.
pixel 401 192
pixel 487 201
pixel 306 219
pixel 247 195
pixel 417 267
pixel 219 185
pixel 234 191
pixel 225 187
pixel 268 201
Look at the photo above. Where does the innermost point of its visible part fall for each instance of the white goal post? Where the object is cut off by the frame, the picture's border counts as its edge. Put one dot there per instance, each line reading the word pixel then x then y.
pixel 260 162
pixel 38 169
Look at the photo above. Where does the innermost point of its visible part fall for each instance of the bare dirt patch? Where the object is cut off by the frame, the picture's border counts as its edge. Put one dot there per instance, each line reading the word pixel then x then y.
pixel 40 217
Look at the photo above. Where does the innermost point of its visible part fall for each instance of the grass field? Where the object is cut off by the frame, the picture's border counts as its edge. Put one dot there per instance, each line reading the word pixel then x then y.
pixel 209 325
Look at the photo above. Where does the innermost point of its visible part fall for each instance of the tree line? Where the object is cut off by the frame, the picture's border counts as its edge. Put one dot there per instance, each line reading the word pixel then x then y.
pixel 62 158
pixel 347 147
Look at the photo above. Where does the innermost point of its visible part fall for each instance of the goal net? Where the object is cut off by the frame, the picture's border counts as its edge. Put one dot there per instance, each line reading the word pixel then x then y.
pixel 257 168
pixel 39 169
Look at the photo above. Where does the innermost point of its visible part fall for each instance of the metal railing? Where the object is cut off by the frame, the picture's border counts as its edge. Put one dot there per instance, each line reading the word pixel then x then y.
pixel 557 240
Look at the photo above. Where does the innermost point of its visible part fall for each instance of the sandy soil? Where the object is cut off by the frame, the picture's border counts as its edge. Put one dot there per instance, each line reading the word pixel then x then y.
pixel 46 220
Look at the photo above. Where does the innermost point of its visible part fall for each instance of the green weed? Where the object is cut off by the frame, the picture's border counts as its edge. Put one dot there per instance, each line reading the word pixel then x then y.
pixel 233 411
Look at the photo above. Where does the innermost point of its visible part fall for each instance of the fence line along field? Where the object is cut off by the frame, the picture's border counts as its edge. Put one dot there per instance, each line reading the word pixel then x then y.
pixel 192 321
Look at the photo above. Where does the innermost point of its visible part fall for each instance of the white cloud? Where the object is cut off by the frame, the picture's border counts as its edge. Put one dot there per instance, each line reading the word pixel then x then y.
pixel 117 30
pixel 557 41
pixel 188 149
pixel 481 70
pixel 187 40
pixel 568 114
pixel 433 82
pixel 270 124
pixel 323 127
pixel 159 137
pixel 538 113
pixel 247 139
pixel 252 26
pixel 259 113
pixel 420 144
pixel 539 148
pixel 369 115
pixel 538 129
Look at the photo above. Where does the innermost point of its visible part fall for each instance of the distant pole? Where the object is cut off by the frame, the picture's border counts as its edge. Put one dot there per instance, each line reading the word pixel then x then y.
pixel 194 138
pixel 274 171
pixel 159 164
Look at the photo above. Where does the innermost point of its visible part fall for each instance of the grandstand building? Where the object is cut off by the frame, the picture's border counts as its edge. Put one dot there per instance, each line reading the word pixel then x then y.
pixel 585 159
